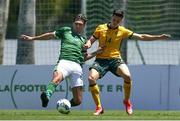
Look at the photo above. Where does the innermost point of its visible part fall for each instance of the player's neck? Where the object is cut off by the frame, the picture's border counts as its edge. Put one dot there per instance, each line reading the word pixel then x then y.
pixel 111 26
pixel 77 32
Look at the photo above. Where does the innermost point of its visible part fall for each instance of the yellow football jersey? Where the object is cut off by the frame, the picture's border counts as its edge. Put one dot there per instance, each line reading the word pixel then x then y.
pixel 112 39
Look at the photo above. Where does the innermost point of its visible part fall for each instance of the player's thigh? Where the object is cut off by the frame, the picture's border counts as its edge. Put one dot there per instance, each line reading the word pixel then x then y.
pixel 77 94
pixel 98 69
pixel 76 80
pixel 64 67
pixel 123 71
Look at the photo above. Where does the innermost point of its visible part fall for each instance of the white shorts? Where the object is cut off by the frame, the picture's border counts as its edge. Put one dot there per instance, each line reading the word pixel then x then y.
pixel 71 69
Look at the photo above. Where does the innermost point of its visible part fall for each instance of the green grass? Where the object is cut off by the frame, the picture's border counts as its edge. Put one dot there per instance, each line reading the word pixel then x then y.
pixel 87 115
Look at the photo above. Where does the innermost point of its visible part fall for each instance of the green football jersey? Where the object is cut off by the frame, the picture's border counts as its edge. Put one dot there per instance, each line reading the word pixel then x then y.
pixel 71 45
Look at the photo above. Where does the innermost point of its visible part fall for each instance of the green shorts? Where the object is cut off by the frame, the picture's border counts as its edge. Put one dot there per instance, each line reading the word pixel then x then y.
pixel 102 66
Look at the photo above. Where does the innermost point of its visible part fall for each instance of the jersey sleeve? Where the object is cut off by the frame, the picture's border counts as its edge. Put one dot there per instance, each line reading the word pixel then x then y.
pixel 127 33
pixel 60 32
pixel 97 32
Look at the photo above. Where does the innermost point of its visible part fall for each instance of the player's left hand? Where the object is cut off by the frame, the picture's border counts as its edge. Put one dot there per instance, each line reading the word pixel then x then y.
pixel 101 48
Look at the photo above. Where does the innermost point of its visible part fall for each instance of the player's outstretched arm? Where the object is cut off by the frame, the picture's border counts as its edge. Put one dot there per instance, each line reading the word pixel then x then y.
pixel 45 36
pixel 148 37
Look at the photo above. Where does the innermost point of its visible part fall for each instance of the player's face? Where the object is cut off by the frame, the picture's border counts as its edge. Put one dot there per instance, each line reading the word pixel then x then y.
pixel 116 20
pixel 79 26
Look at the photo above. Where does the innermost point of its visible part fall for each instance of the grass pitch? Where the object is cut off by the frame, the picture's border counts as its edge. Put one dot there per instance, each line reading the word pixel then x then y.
pixel 87 115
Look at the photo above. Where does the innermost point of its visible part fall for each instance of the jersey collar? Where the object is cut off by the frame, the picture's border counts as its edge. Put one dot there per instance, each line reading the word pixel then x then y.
pixel 108 25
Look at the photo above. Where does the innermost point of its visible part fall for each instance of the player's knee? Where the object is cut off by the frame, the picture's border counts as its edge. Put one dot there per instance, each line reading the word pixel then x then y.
pixel 91 79
pixel 56 79
pixel 127 78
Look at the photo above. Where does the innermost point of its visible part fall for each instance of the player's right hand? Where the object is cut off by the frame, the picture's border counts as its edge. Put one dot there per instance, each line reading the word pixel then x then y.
pixel 25 37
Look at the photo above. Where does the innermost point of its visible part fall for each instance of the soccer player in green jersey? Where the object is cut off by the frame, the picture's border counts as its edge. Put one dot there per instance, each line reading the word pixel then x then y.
pixel 70 59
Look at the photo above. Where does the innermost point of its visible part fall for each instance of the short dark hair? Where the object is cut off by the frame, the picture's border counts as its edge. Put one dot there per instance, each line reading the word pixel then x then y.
pixel 81 17
pixel 118 12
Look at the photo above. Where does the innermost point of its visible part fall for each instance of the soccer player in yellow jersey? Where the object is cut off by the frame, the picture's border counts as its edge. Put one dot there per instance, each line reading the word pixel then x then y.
pixel 110 36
